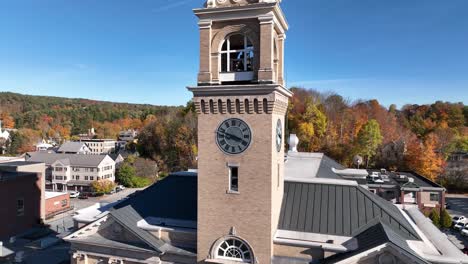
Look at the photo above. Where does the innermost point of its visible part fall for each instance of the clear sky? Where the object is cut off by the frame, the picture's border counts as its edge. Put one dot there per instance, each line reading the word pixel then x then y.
pixel 146 51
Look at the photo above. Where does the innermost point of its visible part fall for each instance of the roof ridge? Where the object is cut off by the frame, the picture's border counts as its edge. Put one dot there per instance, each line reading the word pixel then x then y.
pixel 391 213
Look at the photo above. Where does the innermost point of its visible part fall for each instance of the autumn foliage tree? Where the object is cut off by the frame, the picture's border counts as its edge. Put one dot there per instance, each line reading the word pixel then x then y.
pixel 369 139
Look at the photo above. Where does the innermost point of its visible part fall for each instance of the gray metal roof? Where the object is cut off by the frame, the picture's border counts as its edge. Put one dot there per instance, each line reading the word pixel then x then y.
pixel 310 165
pixel 174 197
pixel 376 234
pixel 71 147
pixel 337 210
pixel 74 159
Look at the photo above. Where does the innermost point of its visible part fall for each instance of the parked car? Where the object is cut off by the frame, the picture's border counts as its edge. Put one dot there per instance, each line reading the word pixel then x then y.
pixel 74 194
pixel 120 188
pixel 83 196
pixel 460 226
pixel 465 251
pixel 458 219
pixel 464 230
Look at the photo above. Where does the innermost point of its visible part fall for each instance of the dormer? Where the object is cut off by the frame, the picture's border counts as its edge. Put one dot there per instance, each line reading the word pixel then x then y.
pixel 241 42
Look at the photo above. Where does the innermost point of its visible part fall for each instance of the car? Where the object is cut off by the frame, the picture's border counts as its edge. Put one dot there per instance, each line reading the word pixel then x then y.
pixel 465 251
pixel 83 196
pixel 120 188
pixel 447 205
pixel 74 194
pixel 458 219
pixel 459 226
pixel 464 230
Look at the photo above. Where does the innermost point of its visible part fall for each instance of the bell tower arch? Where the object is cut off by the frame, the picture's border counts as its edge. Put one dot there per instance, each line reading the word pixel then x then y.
pixel 241 103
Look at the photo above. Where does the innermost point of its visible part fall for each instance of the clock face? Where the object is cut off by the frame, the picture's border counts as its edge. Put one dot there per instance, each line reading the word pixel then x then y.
pixel 279 135
pixel 233 136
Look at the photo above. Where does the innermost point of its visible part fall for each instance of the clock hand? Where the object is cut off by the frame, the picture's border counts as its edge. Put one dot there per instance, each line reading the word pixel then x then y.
pixel 236 138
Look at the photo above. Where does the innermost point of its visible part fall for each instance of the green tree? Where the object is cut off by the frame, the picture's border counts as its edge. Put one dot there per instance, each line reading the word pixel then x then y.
pixel 125 175
pixel 435 217
pixel 369 139
pixel 445 219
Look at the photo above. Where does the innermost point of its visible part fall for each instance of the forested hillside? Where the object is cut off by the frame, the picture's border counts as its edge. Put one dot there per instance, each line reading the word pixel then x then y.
pixel 38 117
pixel 415 137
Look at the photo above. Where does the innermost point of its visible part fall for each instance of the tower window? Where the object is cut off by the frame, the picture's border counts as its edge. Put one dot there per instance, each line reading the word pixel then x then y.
pixel 233 179
pixel 20 207
pixel 237 58
pixel 233 249
pixel 237 54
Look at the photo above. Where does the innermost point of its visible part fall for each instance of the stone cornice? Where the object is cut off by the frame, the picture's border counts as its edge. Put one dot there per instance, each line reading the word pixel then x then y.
pixel 246 89
pixel 244 12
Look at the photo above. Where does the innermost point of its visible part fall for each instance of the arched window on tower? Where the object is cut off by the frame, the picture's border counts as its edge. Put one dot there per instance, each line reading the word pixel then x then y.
pixel 237 59
pixel 233 249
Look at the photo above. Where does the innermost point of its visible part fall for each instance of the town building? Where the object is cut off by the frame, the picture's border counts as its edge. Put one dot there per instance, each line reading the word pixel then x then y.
pixel 250 201
pixel 89 135
pixel 75 172
pixel 100 146
pixel 22 196
pixel 44 146
pixel 128 135
pixel 56 203
pixel 74 148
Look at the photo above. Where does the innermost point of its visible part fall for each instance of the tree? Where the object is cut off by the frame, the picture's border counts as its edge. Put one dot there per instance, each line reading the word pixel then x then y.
pixel 125 175
pixel 103 186
pixel 7 120
pixel 445 219
pixel 435 217
pixel 369 139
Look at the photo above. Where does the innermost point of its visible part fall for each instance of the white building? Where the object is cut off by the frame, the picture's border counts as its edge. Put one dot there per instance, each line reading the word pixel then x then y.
pixel 128 135
pixel 74 171
pixel 4 134
pixel 100 146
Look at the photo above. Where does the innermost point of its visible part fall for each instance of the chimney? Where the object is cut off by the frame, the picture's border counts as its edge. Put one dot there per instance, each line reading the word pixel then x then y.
pixel 293 142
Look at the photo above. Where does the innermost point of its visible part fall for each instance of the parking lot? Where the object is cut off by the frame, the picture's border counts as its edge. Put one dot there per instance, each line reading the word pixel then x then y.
pixel 457 205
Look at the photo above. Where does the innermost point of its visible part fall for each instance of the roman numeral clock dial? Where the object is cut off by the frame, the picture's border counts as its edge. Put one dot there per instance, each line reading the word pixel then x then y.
pixel 233 136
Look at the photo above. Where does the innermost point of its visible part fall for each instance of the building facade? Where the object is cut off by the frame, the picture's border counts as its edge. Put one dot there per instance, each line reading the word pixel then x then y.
pixel 22 192
pixel 100 146
pixel 67 172
pixel 56 203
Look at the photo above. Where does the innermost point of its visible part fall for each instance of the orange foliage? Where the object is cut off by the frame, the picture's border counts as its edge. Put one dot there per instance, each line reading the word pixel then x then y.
pixel 7 120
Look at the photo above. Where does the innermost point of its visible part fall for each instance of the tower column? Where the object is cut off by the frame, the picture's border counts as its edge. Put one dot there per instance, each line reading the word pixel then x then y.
pixel 280 47
pixel 204 76
pixel 266 73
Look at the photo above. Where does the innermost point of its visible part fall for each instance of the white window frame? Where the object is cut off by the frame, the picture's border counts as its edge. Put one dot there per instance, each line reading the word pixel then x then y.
pixel 229 75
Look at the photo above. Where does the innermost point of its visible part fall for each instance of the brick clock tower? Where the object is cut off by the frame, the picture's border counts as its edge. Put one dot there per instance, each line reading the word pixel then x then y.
pixel 241 103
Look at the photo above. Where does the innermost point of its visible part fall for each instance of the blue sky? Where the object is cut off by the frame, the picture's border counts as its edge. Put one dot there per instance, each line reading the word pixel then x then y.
pixel 146 51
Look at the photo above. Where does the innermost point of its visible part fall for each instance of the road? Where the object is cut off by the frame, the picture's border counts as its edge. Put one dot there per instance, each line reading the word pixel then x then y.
pixel 63 225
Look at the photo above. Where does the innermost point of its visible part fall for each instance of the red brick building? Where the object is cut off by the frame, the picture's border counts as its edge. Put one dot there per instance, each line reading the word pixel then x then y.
pixel 56 202
pixel 22 194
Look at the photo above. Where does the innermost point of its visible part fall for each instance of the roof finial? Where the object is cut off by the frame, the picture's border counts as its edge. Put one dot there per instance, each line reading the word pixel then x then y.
pixel 293 143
